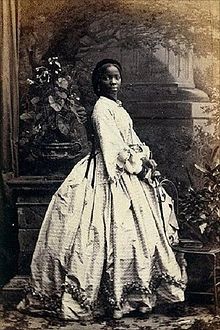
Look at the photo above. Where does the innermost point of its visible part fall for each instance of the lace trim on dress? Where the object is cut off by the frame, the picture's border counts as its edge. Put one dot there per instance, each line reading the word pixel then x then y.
pixel 53 304
pixel 37 302
pixel 79 295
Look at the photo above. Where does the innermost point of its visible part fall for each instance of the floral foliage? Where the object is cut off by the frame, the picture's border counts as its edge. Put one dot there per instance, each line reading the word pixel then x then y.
pixel 214 110
pixel 199 214
pixel 171 23
pixel 200 208
pixel 51 107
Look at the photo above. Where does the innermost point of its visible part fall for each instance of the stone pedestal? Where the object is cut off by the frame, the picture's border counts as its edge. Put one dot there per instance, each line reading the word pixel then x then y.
pixel 32 198
pixel 32 195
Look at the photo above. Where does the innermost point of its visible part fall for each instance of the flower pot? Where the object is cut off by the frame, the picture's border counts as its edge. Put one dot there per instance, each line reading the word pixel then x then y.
pixel 57 158
pixel 60 151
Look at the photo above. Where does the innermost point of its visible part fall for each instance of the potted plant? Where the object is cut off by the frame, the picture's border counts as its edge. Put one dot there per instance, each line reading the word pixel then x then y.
pixel 53 116
pixel 199 211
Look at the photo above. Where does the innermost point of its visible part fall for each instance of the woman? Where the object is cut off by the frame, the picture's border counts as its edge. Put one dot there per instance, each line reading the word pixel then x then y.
pixel 103 245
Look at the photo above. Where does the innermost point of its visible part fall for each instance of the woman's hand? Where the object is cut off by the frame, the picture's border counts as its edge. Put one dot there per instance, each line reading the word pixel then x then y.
pixel 134 164
pixel 151 164
pixel 133 158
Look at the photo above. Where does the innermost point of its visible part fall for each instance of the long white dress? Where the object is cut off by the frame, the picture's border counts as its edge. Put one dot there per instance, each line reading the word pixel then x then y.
pixel 103 245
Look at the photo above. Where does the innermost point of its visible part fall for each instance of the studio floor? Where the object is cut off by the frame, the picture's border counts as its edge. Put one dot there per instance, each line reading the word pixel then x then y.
pixel 194 318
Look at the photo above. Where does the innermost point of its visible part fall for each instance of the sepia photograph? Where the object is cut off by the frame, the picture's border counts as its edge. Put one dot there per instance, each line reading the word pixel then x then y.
pixel 110 164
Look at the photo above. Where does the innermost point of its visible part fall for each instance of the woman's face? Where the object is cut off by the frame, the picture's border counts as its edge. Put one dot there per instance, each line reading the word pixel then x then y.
pixel 110 82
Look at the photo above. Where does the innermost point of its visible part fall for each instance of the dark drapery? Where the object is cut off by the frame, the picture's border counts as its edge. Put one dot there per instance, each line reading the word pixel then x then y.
pixel 9 119
pixel 9 60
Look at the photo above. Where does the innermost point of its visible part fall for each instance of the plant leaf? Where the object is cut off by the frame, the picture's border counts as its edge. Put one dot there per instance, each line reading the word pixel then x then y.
pixel 203 227
pixel 39 116
pixel 55 105
pixel 63 95
pixel 201 169
pixel 27 115
pixel 62 83
pixel 57 63
pixel 63 126
pixel 35 100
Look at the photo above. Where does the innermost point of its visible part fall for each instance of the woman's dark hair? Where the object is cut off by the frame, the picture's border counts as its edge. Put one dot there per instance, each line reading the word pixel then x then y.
pixel 98 71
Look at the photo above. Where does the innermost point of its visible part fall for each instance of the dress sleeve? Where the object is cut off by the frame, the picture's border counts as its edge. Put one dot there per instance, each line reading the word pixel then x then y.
pixel 110 140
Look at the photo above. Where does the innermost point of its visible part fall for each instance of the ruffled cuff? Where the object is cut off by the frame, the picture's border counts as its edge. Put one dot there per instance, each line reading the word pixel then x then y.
pixel 131 158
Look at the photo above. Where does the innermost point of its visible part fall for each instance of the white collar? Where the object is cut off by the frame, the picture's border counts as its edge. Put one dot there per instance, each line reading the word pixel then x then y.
pixel 112 102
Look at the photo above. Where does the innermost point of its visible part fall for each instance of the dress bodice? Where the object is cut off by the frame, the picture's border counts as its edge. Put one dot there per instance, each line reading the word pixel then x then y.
pixel 114 132
pixel 117 117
